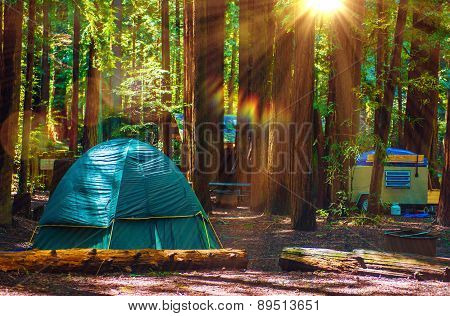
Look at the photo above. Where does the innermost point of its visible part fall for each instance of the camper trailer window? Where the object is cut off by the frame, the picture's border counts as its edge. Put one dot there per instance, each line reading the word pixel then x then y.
pixel 400 179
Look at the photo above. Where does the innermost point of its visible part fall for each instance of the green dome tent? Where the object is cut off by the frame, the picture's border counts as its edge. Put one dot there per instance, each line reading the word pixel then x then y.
pixel 124 194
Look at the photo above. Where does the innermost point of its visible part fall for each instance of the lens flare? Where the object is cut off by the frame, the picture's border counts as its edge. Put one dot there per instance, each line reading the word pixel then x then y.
pixel 324 6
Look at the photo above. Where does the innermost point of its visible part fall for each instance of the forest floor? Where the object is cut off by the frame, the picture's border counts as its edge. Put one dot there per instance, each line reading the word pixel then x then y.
pixel 263 237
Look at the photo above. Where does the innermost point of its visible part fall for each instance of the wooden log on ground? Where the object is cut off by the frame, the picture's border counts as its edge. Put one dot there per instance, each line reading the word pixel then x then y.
pixel 366 262
pixel 97 261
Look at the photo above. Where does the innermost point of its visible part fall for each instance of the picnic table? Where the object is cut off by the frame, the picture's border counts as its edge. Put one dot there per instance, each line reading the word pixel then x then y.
pixel 230 193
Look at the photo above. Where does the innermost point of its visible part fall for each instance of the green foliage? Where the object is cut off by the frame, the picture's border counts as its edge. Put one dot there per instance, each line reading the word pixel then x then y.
pixel 147 132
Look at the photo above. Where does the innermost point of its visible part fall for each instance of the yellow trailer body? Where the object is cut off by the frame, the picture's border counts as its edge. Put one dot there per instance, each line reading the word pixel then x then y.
pixel 415 194
pixel 405 178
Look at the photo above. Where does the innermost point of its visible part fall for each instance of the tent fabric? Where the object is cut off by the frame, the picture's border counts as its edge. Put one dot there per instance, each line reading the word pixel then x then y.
pixel 124 194
pixel 362 159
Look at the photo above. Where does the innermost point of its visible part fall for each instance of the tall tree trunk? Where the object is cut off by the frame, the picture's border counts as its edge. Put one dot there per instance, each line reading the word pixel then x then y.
pixel 380 70
pixel 443 213
pixel 381 50
pixel 201 114
pixel 359 13
pixel 383 113
pixel 245 74
pixel 75 81
pixel 90 133
pixel 40 117
pixel 330 121
pixel 278 173
pixel 23 172
pixel 321 200
pixel 9 108
pixel 166 96
pixel 215 79
pixel 188 29
pixel 117 50
pixel 421 106
pixel 400 142
pixel 177 53
pixel 135 111
pixel 61 77
pixel 434 62
pixel 1 43
pixel 262 55
pixel 303 215
pixel 346 41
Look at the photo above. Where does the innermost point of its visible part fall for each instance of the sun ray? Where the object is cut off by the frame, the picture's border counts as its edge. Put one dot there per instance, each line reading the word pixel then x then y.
pixel 324 6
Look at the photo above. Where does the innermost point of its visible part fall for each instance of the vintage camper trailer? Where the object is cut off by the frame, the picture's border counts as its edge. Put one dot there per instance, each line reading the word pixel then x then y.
pixel 405 179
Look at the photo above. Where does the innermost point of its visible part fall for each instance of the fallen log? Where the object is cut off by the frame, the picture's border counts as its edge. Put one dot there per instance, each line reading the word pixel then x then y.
pixel 97 261
pixel 366 262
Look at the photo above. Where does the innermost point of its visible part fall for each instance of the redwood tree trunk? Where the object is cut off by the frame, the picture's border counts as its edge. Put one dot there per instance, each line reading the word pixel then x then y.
pixel 245 74
pixel 61 77
pixel 117 50
pixel 278 165
pixel 303 215
pixel 262 55
pixel 90 136
pixel 188 29
pixel 9 108
pixel 201 114
pixel 166 96
pixel 75 81
pixel 177 53
pixel 421 106
pixel 345 37
pixel 40 116
pixel 215 79
pixel 23 172
pixel 383 113
pixel 443 213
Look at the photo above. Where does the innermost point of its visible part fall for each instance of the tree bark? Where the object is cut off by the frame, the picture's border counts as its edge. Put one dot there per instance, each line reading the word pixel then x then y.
pixel 61 76
pixel 215 80
pixel 262 56
pixel 94 261
pixel 321 200
pixel 400 141
pixel 117 50
pixel 278 165
pixel 346 41
pixel 166 95
pixel 1 43
pixel 90 133
pixel 421 106
pixel 303 215
pixel 24 166
pixel 9 108
pixel 443 213
pixel 177 53
pixel 188 146
pixel 75 81
pixel 383 112
pixel 245 74
pixel 201 115
pixel 40 116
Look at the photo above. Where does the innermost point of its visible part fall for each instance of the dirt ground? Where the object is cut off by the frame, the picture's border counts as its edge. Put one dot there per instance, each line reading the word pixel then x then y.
pixel 263 237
